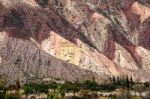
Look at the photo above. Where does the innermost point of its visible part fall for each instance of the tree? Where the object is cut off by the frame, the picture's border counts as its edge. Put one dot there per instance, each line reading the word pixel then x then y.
pixel 114 80
pixel 147 84
pixel 2 84
pixel 77 80
pixel 49 96
pixel 60 92
pixel 110 79
pixel 118 81
pixel 18 84
pixel 2 88
pixel 53 85
pixel 127 81
pixel 90 85
pixel 27 88
pixel 93 79
pixel 131 80
pixel 40 87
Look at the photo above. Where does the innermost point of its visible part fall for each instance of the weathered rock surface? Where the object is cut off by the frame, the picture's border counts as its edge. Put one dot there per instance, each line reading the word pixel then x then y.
pixel 74 39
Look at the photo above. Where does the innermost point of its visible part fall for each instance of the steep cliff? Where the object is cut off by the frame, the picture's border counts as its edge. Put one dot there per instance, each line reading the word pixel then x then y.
pixel 74 39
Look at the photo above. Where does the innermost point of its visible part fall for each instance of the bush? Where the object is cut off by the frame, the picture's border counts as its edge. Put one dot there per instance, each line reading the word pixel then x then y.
pixel 2 84
pixel 68 86
pixel 40 88
pixel 27 89
pixel 50 96
pixel 18 84
pixel 52 85
pixel 147 84
pixel 91 85
pixel 2 95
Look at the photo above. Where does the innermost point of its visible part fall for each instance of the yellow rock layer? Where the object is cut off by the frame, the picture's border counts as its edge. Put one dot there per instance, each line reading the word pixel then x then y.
pixel 65 50
pixel 62 48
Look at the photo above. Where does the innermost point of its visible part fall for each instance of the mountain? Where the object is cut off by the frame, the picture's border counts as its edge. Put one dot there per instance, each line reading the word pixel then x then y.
pixel 70 40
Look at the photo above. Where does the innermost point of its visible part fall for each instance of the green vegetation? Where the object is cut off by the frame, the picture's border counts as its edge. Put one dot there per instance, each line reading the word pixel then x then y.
pixel 2 84
pixel 17 84
pixel 27 88
pixel 85 89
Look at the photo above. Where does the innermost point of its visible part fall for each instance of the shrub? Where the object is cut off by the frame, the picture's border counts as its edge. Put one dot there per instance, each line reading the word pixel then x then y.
pixel 27 89
pixel 90 85
pixel 68 86
pixel 52 85
pixel 2 95
pixel 49 96
pixel 40 88
pixel 2 84
pixel 147 84
pixel 18 84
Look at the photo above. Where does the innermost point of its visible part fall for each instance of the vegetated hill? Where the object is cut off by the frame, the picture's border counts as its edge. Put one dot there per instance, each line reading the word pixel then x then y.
pixel 74 40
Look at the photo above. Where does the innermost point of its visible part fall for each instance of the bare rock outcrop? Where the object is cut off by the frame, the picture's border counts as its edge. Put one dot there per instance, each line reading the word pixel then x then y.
pixel 74 39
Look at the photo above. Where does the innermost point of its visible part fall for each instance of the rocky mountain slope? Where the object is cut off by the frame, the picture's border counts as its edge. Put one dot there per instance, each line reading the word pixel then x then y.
pixel 74 39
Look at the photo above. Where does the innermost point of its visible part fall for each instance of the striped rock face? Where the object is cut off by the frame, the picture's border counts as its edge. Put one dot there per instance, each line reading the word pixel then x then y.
pixel 71 40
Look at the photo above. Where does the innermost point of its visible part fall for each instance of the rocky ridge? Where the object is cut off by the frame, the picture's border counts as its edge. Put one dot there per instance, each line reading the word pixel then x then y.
pixel 74 40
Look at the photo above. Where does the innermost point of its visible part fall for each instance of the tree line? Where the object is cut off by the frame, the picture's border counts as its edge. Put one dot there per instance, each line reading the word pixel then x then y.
pixel 59 89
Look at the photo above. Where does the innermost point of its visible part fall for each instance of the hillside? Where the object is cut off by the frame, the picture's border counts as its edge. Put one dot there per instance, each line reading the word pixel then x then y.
pixel 72 40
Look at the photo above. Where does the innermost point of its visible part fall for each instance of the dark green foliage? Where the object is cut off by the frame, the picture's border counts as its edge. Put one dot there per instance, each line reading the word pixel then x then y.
pixel 68 86
pixel 118 81
pixel 49 96
pixel 93 79
pixel 90 85
pixel 27 88
pixel 61 89
pixel 40 87
pixel 34 88
pixel 131 81
pixel 17 84
pixel 123 81
pixel 107 87
pixel 2 95
pixel 127 82
pixel 52 85
pixel 2 84
pixel 147 84
pixel 114 80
